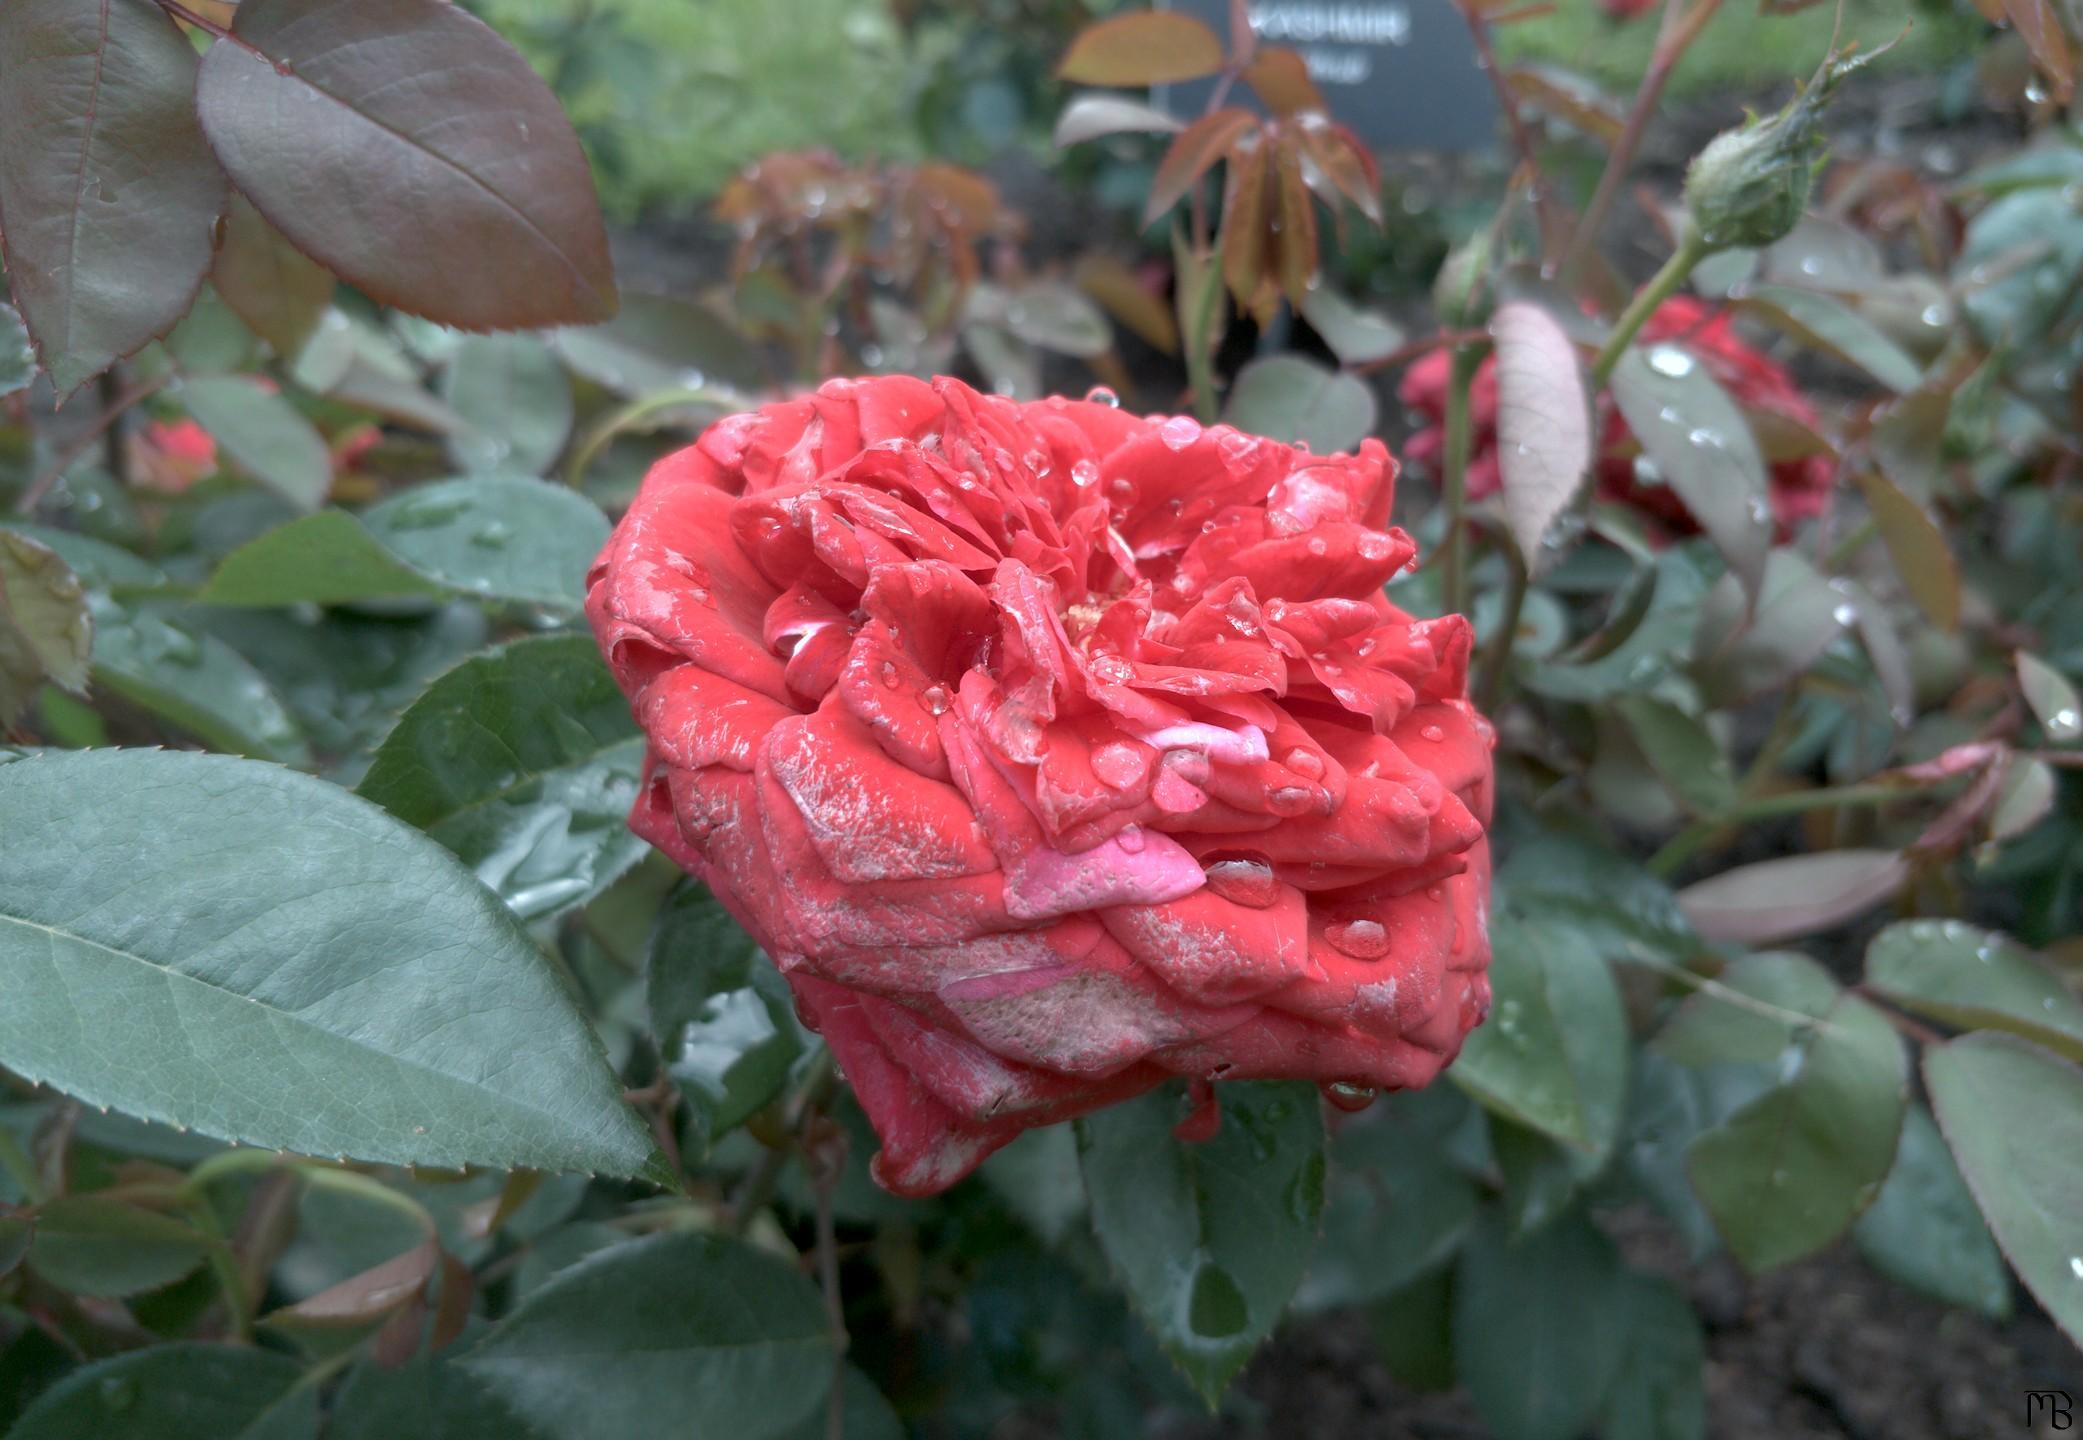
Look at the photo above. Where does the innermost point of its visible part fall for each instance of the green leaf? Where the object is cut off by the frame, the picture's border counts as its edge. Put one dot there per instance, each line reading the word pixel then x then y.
pixel 17 354
pixel 1793 895
pixel 193 680
pixel 109 191
pixel 1789 1171
pixel 1209 1240
pixel 1918 547
pixel 264 434
pixel 523 762
pixel 429 1397
pixel 46 630
pixel 1739 653
pixel 1543 425
pixel 1659 1391
pixel 15 1236
pixel 183 1391
pixel 1695 436
pixel 1539 1329
pixel 2052 698
pixel 720 1012
pixel 1974 979
pixel 93 1246
pixel 2013 1116
pixel 273 286
pixel 1829 325
pixel 345 676
pixel 1572 879
pixel 1399 1206
pixel 415 154
pixel 730 1342
pixel 1924 1230
pixel 498 538
pixel 1037 1178
pixel 323 559
pixel 1682 751
pixel 100 565
pixel 263 957
pixel 515 401
pixel 656 344
pixel 1356 336
pixel 1553 1055
pixel 1286 397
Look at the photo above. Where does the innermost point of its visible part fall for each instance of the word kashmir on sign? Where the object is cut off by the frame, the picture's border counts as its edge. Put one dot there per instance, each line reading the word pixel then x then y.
pixel 1401 73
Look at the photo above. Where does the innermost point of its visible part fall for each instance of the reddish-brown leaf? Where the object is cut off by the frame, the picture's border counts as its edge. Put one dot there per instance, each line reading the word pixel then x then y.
pixel 1123 295
pixel 1147 47
pixel 108 195
pixel 2039 24
pixel 1346 165
pixel 452 1312
pixel 1281 79
pixel 414 153
pixel 1193 153
pixel 279 292
pixel 1297 235
pixel 1793 896
pixel 1245 238
pixel 374 1293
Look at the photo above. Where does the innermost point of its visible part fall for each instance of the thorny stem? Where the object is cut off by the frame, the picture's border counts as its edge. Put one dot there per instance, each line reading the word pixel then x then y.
pixel 1491 677
pixel 1691 250
pixel 758 1189
pixel 1678 29
pixel 835 1307
pixel 1454 555
pixel 1515 120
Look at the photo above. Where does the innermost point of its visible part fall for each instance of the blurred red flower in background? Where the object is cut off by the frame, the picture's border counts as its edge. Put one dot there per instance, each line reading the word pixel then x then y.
pixel 1800 488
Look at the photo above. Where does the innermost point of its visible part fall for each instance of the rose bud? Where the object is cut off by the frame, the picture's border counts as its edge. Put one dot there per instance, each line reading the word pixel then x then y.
pixel 1053 751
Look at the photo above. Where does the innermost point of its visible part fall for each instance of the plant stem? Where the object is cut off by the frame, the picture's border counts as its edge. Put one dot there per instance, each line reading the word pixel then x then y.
pixel 224 1264
pixel 1490 679
pixel 1551 226
pixel 16 1162
pixel 1687 842
pixel 116 409
pixel 1200 346
pixel 1675 33
pixel 1692 249
pixel 758 1189
pixel 1454 554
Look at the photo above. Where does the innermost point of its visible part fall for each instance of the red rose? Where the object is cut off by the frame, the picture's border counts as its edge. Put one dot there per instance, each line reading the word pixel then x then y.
pixel 1053 751
pixel 1800 489
pixel 171 455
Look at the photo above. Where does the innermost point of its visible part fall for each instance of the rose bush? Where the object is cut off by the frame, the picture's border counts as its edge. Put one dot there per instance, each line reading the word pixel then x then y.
pixel 1800 487
pixel 1052 751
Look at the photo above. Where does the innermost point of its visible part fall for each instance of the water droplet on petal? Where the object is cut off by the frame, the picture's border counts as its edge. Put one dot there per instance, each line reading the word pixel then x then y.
pixel 1084 474
pixel 1130 838
pixel 1349 1095
pixel 1122 491
pixel 1244 880
pixel 889 674
pixel 1361 939
pixel 1120 765
pixel 1306 763
pixel 1101 395
pixel 1291 800
pixel 934 699
pixel 1179 432
pixel 1432 733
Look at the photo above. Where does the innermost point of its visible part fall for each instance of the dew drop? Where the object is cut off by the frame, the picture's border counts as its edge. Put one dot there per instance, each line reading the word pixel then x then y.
pixel 1374 548
pixel 934 699
pixel 1179 432
pixel 1431 733
pixel 1122 491
pixel 1305 763
pixel 1120 765
pixel 1084 474
pixel 889 674
pixel 1291 800
pixel 1670 360
pixel 1246 880
pixel 1130 839
pixel 1348 1095
pixel 1101 395
pixel 1318 545
pixel 1361 939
